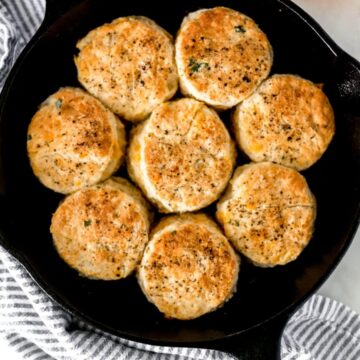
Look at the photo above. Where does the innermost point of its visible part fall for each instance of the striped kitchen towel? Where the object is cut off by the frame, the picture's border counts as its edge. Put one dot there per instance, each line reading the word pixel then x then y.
pixel 37 328
pixel 19 19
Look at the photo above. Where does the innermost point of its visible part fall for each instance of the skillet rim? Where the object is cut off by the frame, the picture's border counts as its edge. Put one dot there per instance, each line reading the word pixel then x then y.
pixel 61 301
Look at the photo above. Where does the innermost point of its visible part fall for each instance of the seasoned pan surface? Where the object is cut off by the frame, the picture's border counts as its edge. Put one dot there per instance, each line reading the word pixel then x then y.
pixel 300 47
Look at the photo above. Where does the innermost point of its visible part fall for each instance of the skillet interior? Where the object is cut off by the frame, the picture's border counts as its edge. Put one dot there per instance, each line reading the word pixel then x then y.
pixel 120 307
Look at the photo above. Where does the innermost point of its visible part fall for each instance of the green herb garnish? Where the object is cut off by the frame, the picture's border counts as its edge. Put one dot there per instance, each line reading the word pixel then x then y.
pixel 29 137
pixel 58 103
pixel 87 223
pixel 206 66
pixel 239 29
pixel 196 65
pixel 192 61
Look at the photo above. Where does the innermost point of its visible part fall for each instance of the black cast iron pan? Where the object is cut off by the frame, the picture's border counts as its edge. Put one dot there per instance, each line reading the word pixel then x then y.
pixel 251 323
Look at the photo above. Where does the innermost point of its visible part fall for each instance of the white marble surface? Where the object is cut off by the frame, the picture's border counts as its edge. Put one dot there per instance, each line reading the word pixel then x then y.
pixel 341 19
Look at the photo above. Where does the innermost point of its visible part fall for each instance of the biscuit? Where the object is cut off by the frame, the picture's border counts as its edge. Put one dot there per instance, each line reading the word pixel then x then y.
pixel 288 120
pixel 182 156
pixel 189 267
pixel 268 213
pixel 222 56
pixel 129 65
pixel 74 141
pixel 101 231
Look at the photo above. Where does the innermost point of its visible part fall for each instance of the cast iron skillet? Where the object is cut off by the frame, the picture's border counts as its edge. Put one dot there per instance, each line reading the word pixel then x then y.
pixel 251 323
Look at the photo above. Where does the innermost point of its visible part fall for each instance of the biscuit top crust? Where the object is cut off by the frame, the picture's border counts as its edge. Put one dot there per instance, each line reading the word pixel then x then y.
pixel 268 213
pixel 266 185
pixel 102 230
pixel 74 141
pixel 289 120
pixel 187 155
pixel 129 64
pixel 189 267
pixel 222 55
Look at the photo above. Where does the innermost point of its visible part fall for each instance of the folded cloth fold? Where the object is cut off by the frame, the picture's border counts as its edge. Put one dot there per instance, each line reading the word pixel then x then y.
pixel 37 328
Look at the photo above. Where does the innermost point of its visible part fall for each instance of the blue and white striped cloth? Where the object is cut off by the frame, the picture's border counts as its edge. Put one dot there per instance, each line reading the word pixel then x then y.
pixel 19 19
pixel 38 329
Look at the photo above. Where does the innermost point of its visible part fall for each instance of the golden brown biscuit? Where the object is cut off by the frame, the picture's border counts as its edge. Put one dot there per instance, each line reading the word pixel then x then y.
pixel 101 231
pixel 74 141
pixel 129 65
pixel 268 213
pixel 182 156
pixel 222 56
pixel 288 120
pixel 189 268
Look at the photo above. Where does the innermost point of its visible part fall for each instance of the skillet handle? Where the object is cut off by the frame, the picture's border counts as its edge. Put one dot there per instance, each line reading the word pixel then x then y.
pixel 261 343
pixel 56 8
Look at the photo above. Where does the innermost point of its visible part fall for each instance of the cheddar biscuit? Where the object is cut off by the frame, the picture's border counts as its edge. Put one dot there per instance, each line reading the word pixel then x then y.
pixel 74 141
pixel 222 56
pixel 189 267
pixel 129 65
pixel 268 213
pixel 101 231
pixel 288 120
pixel 182 156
